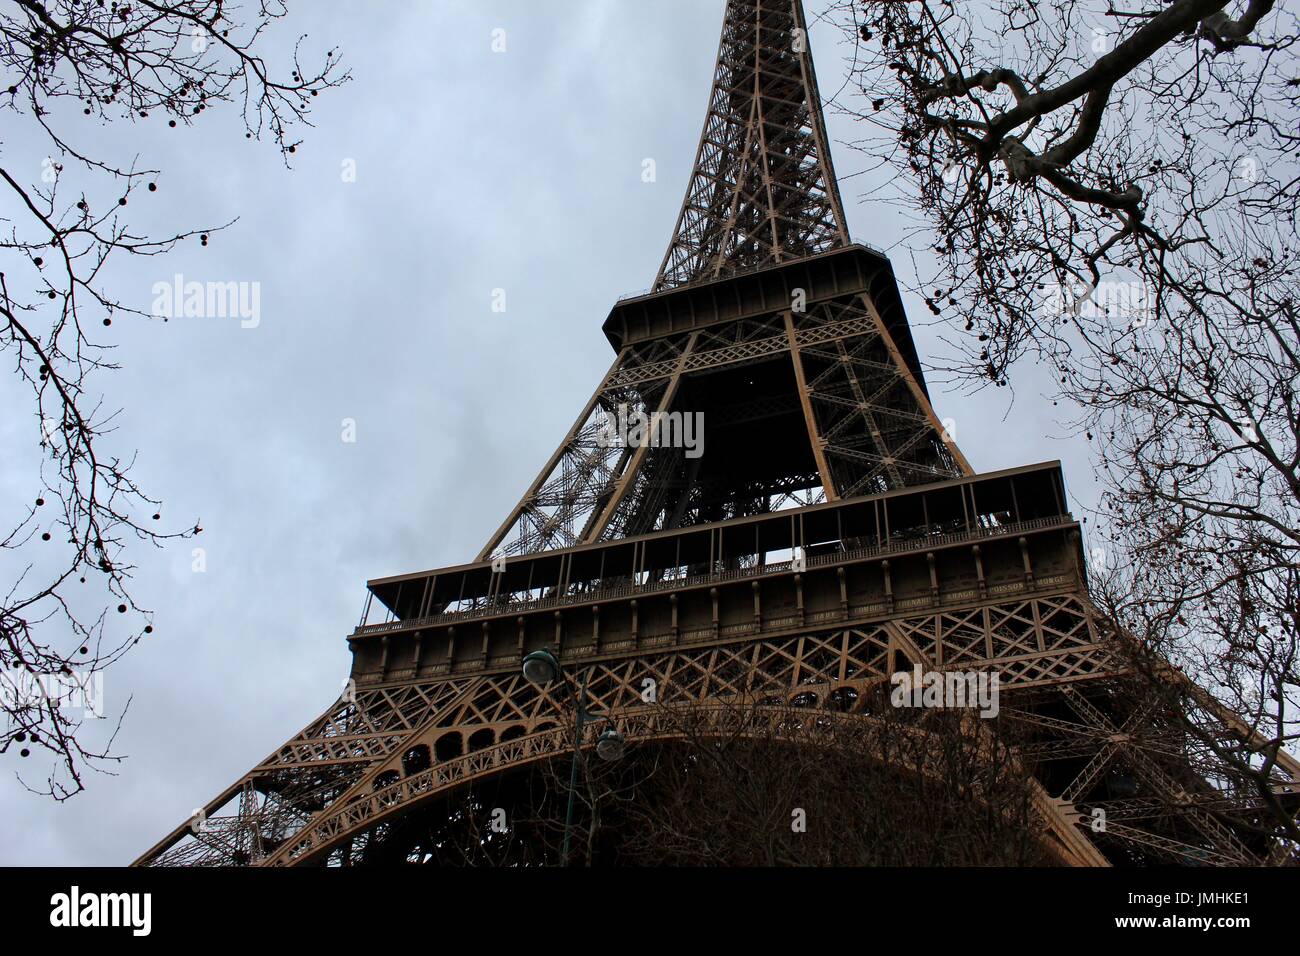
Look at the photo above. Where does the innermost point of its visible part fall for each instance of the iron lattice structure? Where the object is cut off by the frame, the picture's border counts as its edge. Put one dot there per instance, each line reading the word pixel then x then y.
pixel 763 189
pixel 830 534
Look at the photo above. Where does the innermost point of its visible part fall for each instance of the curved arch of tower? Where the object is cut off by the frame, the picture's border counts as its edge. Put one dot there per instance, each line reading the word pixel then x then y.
pixel 795 516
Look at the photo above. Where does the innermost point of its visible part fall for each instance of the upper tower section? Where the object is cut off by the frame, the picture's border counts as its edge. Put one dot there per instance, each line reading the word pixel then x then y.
pixel 763 190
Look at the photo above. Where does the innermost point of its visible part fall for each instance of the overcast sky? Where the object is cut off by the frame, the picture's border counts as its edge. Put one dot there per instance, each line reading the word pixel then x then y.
pixel 474 171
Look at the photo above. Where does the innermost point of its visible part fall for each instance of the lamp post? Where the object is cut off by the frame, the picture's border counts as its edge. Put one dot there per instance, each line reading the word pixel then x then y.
pixel 542 668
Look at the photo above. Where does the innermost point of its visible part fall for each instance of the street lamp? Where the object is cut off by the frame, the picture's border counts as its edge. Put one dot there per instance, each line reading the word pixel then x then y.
pixel 610 746
pixel 541 669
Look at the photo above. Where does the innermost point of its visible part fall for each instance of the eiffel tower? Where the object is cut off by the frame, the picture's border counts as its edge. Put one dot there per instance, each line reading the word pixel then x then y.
pixel 830 534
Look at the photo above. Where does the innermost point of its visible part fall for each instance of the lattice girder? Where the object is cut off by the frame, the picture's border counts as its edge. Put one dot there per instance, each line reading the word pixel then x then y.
pixel 864 426
pixel 800 664
pixel 763 189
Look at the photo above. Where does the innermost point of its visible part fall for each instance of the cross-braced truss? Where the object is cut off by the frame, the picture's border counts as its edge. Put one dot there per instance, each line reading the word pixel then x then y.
pixel 763 189
pixel 860 425
pixel 397 747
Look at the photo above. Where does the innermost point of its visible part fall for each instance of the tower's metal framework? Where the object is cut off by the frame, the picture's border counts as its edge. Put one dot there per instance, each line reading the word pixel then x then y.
pixel 830 534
